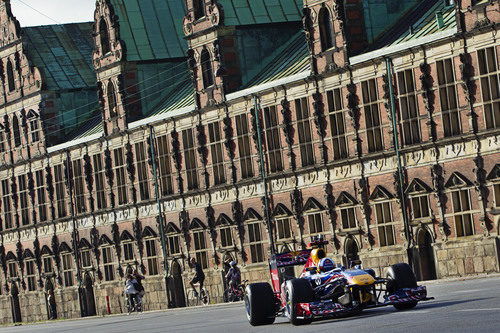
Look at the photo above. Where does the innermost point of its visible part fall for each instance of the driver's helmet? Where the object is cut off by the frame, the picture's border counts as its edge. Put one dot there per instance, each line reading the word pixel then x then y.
pixel 317 255
pixel 232 263
pixel 326 265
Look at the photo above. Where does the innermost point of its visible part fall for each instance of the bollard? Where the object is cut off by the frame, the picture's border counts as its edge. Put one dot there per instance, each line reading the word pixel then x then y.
pixel 107 303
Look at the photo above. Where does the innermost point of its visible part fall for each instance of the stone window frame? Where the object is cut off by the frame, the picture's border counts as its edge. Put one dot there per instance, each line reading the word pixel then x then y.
pixel 346 206
pixel 48 261
pixel 34 126
pixel 3 140
pixel 79 186
pixel 337 124
pixel 191 167
pixel 326 29
pixel 16 131
pixel 99 180
pixel 67 268
pixel 458 187
pixel 86 251
pixel 141 160
pixel 382 200
pixel 30 274
pixel 374 128
pixel 255 239
pixel 108 262
pixel 11 80
pixel 60 191
pixel 272 135
pixel 207 72
pixel 120 172
pixel 217 157
pixel 151 255
pixel 243 140
pixel 225 228
pixel 283 218
pixel 24 201
pixel 104 38
pixel 313 210
pixel 446 88
pixel 164 165
pixel 41 196
pixel 416 192
pixel 200 245
pixel 173 235
pixel 485 73
pixel 13 269
pixel 411 132
pixel 198 9
pixel 6 205
pixel 305 134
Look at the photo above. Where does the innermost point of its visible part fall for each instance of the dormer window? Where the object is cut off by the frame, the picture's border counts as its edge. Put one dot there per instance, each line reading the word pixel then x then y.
pixel 199 9
pixel 206 69
pixel 325 29
pixel 104 36
pixel 10 76
pixel 111 99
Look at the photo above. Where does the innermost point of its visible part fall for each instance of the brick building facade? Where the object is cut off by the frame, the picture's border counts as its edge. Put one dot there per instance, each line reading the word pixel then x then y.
pixel 383 137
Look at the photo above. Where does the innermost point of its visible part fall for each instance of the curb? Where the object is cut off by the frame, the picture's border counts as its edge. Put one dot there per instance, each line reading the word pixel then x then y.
pixel 461 278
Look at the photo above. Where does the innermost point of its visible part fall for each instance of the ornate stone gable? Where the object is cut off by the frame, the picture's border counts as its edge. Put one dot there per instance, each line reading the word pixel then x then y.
pixel 108 47
pixel 474 15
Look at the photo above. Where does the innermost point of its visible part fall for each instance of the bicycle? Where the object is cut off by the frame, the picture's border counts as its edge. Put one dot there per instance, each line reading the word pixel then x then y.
pixel 235 294
pixel 203 298
pixel 133 303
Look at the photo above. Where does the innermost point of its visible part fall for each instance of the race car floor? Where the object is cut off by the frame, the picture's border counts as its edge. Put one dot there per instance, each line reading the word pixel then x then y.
pixel 460 306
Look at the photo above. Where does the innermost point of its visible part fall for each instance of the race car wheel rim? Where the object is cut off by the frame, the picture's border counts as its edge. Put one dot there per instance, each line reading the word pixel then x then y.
pixel 288 306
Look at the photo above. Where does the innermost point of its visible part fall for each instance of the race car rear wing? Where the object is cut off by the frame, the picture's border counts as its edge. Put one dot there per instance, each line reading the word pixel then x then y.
pixel 279 262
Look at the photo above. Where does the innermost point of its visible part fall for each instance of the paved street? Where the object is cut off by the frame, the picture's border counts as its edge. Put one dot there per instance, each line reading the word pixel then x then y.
pixel 460 306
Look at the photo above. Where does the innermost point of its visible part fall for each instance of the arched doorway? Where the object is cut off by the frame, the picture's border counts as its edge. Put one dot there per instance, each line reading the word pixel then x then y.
pixel 88 295
pixel 49 289
pixel 427 266
pixel 178 286
pixel 14 303
pixel 351 251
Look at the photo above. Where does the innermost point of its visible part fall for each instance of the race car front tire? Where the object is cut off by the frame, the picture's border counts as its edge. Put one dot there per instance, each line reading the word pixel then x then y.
pixel 260 304
pixel 401 276
pixel 297 291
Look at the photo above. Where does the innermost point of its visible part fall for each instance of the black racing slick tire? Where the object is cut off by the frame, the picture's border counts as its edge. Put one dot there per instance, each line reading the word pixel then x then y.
pixel 260 304
pixel 297 291
pixel 401 276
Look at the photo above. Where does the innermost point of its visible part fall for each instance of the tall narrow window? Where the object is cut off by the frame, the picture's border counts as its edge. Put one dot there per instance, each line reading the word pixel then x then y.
pixel 200 248
pixel 151 257
pixel 245 152
pixel 104 36
pixel 60 191
pixel 226 237
pixel 17 131
pixel 216 153
pixel 30 275
pixel 12 269
pixel 6 206
pixel 47 265
pixel 35 129
pixel 165 166
pixel 23 199
pixel 173 243
pixel 40 195
pixel 85 257
pixel 496 192
pixel 409 114
pixel 107 260
pixel 190 159
pixel 315 224
pixel 10 76
pixel 206 69
pixel 325 29
pixel 385 225
pixel 120 174
pixel 372 116
pixel 284 228
pixel 199 9
pixel 67 269
pixel 273 141
pixel 128 251
pixel 255 242
pixel 305 134
pixel 490 86
pixel 448 98
pixel 337 124
pixel 461 212
pixel 2 142
pixel 142 170
pixel 99 181
pixel 111 99
pixel 79 187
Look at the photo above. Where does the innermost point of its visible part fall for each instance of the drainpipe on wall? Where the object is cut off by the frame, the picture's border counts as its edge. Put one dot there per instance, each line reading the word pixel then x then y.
pixel 400 167
pixel 264 178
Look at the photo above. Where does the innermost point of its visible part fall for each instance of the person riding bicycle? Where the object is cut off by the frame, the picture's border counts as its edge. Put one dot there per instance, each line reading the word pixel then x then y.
pixel 233 276
pixel 140 289
pixel 199 276
pixel 131 291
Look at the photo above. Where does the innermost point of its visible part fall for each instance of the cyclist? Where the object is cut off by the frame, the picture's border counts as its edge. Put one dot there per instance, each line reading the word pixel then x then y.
pixel 140 289
pixel 234 276
pixel 131 291
pixel 199 276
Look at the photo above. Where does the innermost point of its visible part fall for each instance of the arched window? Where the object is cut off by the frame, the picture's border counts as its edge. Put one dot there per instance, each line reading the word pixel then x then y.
pixel 17 131
pixel 104 35
pixel 111 98
pixel 325 29
pixel 199 9
pixel 206 69
pixel 10 76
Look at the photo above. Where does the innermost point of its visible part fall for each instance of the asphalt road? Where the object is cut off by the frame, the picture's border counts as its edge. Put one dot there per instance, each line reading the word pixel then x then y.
pixel 460 306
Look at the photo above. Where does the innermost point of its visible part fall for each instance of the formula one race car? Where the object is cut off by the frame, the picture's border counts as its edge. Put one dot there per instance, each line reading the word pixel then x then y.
pixel 324 290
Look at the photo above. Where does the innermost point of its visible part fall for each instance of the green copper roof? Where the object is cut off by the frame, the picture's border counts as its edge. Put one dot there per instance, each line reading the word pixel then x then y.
pixel 180 97
pixel 151 29
pixel 63 53
pixel 245 12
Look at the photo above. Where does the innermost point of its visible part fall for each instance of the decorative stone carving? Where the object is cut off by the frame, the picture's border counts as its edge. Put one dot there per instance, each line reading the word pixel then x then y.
pixel 469 87
pixel 95 241
pixel 57 257
pixel 129 158
pixel 203 152
pixel 177 157
pixel 354 115
pixel 297 205
pixel 320 122
pixel 289 131
pixel 237 211
pixel 108 172
pixel 229 144
pixel 441 198
pixel 429 98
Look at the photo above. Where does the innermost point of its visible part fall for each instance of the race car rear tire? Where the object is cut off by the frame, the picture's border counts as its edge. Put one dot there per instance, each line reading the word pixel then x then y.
pixel 260 304
pixel 401 276
pixel 297 291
